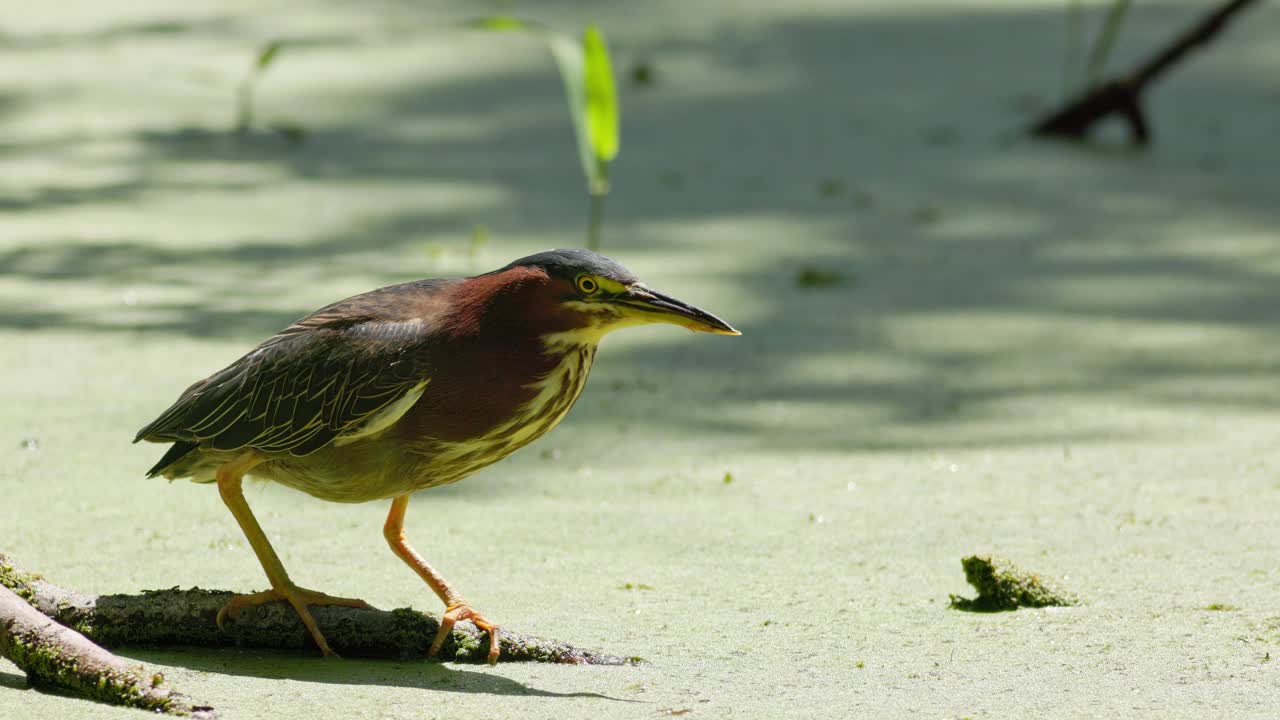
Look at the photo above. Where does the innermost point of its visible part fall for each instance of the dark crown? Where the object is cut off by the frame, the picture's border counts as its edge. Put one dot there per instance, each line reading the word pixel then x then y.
pixel 569 263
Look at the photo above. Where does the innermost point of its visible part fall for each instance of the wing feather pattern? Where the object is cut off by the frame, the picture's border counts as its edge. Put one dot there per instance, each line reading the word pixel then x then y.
pixel 327 376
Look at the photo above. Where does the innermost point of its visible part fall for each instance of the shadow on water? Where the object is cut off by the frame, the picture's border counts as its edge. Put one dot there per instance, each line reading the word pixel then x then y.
pixel 13 681
pixel 420 674
pixel 924 254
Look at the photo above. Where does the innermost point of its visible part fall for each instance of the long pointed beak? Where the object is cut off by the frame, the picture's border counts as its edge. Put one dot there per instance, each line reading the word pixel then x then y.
pixel 653 306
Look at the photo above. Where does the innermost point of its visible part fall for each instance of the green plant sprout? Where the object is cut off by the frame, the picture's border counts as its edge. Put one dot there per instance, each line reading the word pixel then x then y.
pixel 1106 40
pixel 266 55
pixel 587 73
pixel 1103 43
pixel 602 125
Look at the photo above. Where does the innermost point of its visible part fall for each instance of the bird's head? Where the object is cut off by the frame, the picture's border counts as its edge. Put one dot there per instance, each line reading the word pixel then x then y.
pixel 592 295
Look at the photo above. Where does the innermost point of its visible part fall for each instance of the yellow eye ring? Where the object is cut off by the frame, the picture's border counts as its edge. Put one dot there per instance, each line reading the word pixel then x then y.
pixel 587 285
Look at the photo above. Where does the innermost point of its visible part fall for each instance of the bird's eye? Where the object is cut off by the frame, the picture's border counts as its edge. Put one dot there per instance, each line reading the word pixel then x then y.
pixel 587 285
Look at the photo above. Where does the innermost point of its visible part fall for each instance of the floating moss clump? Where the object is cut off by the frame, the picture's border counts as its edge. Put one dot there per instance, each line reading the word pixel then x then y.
pixel 816 277
pixel 1001 585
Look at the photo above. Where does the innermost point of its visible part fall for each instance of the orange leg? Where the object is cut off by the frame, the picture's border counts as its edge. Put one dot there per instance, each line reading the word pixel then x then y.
pixel 230 478
pixel 455 607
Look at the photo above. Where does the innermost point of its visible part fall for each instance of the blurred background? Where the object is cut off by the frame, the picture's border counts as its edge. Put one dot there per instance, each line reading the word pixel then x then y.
pixel 957 337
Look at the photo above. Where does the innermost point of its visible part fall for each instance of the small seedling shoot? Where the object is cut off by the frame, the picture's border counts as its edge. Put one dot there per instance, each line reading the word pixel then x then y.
pixel 586 70
pixel 265 56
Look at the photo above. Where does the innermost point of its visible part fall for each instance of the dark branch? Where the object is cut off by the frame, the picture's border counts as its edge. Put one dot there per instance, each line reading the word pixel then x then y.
pixel 1123 95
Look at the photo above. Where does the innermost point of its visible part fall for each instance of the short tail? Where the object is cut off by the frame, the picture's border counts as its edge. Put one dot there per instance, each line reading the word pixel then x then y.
pixel 175 453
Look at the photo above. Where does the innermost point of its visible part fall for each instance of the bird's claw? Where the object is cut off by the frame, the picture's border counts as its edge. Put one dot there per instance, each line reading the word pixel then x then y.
pixel 462 611
pixel 299 598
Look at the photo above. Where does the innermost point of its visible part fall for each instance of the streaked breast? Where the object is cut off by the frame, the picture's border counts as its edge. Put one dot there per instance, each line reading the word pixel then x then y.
pixel 554 395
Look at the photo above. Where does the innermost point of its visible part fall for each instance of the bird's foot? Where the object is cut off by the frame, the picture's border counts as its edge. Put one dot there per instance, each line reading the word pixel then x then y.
pixel 299 598
pixel 462 611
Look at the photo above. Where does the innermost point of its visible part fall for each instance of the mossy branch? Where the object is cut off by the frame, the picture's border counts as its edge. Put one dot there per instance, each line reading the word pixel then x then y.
pixel 187 617
pixel 55 656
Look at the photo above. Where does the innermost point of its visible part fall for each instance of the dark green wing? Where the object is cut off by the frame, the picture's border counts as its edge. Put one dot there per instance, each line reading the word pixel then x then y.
pixel 328 375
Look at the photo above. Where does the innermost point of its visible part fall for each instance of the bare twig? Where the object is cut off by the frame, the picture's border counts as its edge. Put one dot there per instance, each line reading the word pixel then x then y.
pixel 1123 95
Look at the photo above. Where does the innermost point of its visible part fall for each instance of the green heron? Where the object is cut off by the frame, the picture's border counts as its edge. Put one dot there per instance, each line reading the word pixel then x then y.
pixel 400 389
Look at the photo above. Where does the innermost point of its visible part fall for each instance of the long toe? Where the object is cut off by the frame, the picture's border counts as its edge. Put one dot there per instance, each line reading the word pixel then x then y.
pixel 452 615
pixel 299 599
pixel 237 603
pixel 313 597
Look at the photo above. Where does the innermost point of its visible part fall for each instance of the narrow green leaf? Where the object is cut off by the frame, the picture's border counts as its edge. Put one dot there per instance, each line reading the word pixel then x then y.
pixel 1106 40
pixel 569 60
pixel 268 53
pixel 602 97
